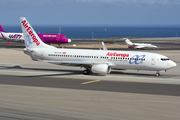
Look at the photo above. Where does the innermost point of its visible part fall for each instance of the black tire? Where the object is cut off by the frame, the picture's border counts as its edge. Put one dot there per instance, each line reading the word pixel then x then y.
pixel 86 72
pixel 157 74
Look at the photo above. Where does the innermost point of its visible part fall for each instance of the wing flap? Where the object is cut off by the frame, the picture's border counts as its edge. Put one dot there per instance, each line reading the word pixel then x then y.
pixel 68 63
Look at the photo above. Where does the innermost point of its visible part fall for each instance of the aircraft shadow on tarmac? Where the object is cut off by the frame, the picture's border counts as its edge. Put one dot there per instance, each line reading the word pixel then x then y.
pixel 79 72
pixel 70 72
pixel 136 74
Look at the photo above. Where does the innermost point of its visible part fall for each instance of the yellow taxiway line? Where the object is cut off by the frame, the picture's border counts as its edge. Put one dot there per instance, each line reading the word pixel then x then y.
pixel 90 81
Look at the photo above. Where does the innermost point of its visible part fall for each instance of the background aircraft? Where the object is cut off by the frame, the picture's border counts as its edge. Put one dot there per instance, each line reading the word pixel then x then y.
pixel 104 47
pixel 54 38
pixel 138 45
pixel 97 61
pixel 47 38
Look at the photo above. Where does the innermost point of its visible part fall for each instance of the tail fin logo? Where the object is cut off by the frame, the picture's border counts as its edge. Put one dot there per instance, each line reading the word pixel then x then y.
pixel 28 40
pixel 30 35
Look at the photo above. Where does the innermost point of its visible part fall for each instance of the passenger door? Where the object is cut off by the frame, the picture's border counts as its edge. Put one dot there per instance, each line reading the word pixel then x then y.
pixel 58 37
pixel 153 60
pixel 42 54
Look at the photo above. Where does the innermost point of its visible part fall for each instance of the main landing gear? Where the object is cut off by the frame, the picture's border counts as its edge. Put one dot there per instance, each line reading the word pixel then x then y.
pixel 157 74
pixel 86 72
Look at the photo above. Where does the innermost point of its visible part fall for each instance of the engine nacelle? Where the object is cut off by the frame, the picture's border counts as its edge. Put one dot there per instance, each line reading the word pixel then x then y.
pixel 101 68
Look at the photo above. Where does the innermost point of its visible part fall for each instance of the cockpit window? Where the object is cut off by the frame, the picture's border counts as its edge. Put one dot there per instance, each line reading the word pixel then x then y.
pixel 164 59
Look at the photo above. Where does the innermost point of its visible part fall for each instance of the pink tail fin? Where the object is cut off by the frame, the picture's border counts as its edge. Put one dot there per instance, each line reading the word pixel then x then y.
pixel 2 29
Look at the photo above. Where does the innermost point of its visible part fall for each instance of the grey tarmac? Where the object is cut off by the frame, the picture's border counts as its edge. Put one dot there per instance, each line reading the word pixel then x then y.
pixel 35 90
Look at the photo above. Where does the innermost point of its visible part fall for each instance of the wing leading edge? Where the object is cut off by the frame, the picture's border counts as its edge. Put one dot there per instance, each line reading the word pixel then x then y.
pixel 70 63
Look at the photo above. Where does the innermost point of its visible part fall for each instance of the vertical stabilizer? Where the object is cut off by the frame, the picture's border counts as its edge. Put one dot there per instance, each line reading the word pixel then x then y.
pixel 32 40
pixel 2 29
pixel 128 41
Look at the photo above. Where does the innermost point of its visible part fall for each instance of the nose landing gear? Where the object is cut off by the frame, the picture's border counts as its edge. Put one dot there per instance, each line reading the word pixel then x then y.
pixel 158 73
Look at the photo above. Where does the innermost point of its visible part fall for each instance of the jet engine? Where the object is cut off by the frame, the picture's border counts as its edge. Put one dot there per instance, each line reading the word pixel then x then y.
pixel 101 68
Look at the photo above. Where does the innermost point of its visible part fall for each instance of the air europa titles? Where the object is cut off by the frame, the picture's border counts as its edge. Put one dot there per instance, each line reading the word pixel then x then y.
pixel 29 30
pixel 117 54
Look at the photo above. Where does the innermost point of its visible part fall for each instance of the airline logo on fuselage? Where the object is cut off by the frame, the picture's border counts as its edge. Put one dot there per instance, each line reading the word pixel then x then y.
pixel 15 36
pixel 117 54
pixel 30 31
pixel 49 35
pixel 137 59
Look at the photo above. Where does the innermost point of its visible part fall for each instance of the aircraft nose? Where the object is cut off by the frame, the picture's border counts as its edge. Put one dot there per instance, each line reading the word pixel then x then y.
pixel 172 64
pixel 69 40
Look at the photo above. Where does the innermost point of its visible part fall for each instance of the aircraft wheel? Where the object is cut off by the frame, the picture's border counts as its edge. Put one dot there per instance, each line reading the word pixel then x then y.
pixel 157 74
pixel 86 72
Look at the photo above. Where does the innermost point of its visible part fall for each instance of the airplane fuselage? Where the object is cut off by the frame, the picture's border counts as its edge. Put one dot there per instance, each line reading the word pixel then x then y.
pixel 47 38
pixel 115 59
pixel 54 38
pixel 12 36
pixel 142 45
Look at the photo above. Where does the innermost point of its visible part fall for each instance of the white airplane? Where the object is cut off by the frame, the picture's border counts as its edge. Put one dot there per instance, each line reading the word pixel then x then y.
pixel 97 61
pixel 138 45
pixel 11 36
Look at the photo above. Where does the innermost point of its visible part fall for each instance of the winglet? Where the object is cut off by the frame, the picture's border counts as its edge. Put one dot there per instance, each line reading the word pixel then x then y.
pixel 104 47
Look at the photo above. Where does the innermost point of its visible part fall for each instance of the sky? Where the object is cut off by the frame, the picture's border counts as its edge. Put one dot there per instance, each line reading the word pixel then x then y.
pixel 91 12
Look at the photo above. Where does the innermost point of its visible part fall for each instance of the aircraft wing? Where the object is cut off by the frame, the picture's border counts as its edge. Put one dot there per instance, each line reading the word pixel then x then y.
pixel 139 46
pixel 144 46
pixel 73 63
pixel 69 63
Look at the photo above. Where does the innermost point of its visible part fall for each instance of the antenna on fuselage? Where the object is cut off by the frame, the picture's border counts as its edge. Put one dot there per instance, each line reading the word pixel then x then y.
pixel 59 33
